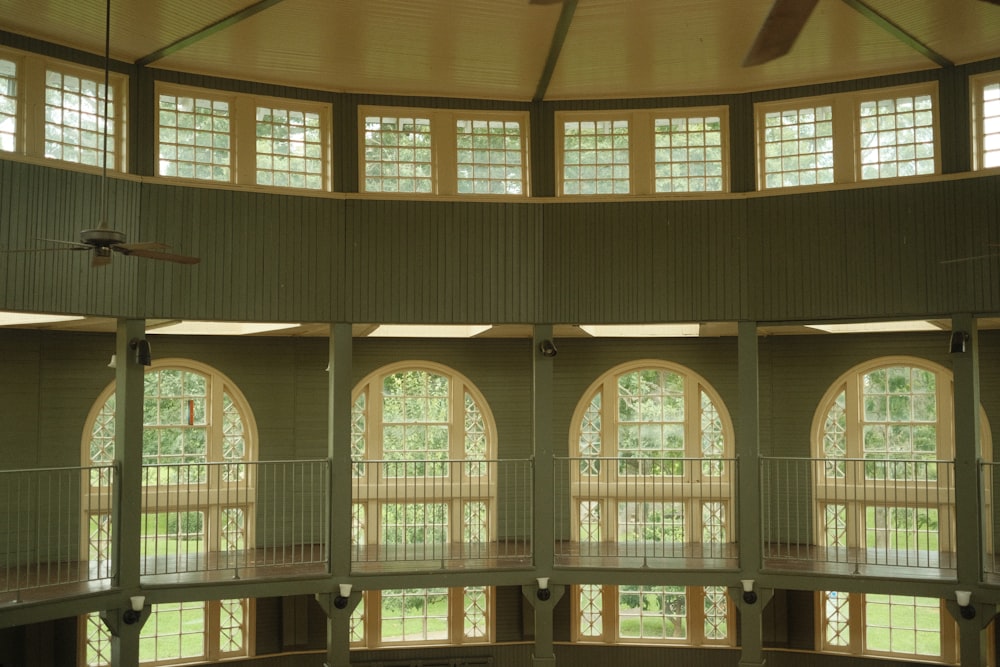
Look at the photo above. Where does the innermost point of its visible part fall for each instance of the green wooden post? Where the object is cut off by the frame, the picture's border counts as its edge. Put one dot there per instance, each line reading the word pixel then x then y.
pixel 543 535
pixel 747 451
pixel 339 408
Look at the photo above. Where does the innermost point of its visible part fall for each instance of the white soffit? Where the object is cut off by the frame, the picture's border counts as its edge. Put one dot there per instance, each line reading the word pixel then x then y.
pixel 429 330
pixel 8 318
pixel 640 330
pixel 877 327
pixel 201 328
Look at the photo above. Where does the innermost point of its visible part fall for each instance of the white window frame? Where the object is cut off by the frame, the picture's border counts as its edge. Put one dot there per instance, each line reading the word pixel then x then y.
pixel 610 613
pixel 858 644
pixel 642 147
pixel 613 489
pixel 444 148
pixel 29 135
pixel 846 133
pixel 976 85
pixel 368 616
pixel 242 133
pixel 373 490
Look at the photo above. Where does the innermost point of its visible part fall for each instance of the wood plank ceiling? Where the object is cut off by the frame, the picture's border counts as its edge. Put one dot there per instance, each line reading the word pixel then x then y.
pixel 515 49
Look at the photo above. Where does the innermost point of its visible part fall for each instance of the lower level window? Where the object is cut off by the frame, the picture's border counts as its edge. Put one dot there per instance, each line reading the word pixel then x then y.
pixel 900 626
pixel 423 616
pixel 178 633
pixel 690 615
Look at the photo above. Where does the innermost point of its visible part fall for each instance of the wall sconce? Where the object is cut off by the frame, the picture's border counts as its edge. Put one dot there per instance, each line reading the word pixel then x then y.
pixel 964 600
pixel 341 600
pixel 749 595
pixel 132 615
pixel 548 348
pixel 143 356
pixel 958 342
pixel 543 593
pixel 114 361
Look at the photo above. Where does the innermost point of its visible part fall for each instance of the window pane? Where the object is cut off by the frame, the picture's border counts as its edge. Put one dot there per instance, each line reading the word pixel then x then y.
pixel 398 155
pixel 194 138
pixel 414 615
pixel 596 157
pixel 896 137
pixel 798 147
pixel 289 148
pixel 688 154
pixel 76 120
pixel 991 125
pixel 8 105
pixel 490 157
pixel 652 612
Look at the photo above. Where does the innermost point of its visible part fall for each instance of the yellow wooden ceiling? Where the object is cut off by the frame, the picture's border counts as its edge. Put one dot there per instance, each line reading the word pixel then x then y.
pixel 499 49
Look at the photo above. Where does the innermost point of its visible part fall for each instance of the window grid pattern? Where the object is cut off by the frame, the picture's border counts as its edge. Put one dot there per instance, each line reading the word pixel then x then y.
pixel 358 622
pixel 358 531
pixel 415 423
pixel 590 438
pixel 596 159
pixel 195 138
pixel 359 446
pixel 900 415
pixel 652 612
pixel 835 524
pixel 414 615
pixel 175 422
pixel 475 437
pixel 476 613
pixel 591 611
pixel 233 529
pixel 490 157
pixel 590 521
pixel 8 105
pixel 837 614
pixel 99 538
pixel 414 523
pixel 398 155
pixel 713 521
pixel 688 154
pixel 289 148
pixel 716 613
pixel 798 147
pixel 896 137
pixel 902 528
pixel 990 125
pixel 75 124
pixel 174 631
pixel 475 522
pixel 98 649
pixel 232 626
pixel 651 419
pixel 903 624
pixel 835 438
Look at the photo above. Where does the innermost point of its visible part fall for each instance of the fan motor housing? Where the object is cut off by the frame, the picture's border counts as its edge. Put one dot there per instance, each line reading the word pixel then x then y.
pixel 101 238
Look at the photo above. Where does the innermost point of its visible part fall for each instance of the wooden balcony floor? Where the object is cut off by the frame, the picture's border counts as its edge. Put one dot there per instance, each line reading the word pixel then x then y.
pixel 648 555
pixel 880 563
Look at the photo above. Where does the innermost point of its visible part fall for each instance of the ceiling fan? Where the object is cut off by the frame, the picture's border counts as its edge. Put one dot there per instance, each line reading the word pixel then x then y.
pixel 782 27
pixel 103 240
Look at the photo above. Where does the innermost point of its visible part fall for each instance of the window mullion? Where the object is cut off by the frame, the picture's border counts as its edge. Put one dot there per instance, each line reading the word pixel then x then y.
pixel 443 152
pixel 243 134
pixel 846 152
pixel 641 152
pixel 32 107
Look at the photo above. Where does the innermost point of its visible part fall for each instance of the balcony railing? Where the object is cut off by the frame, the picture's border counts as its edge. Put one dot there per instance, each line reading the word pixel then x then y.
pixel 646 512
pixel 45 517
pixel 853 515
pixel 989 475
pixel 440 514
pixel 235 517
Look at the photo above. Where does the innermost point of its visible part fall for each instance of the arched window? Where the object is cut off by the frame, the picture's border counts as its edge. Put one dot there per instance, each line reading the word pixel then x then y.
pixel 198 434
pixel 426 482
pixel 650 465
pixel 652 478
pixel 885 432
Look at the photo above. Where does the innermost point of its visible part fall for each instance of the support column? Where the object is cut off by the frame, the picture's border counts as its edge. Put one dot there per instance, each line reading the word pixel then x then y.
pixel 543 531
pixel 339 452
pixel 126 510
pixel 543 605
pixel 748 454
pixel 968 495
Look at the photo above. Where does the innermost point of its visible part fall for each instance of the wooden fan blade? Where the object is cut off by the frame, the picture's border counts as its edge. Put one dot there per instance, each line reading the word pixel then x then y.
pixel 780 30
pixel 74 244
pixel 156 254
pixel 544 2
pixel 150 245
pixel 993 2
pixel 8 252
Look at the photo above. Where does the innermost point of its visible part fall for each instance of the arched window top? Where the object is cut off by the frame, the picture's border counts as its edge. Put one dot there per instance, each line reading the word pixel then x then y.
pixel 651 409
pixel 192 413
pixel 420 411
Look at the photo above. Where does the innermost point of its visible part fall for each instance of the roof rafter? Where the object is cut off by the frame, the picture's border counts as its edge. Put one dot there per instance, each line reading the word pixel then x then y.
pixel 555 48
pixel 906 38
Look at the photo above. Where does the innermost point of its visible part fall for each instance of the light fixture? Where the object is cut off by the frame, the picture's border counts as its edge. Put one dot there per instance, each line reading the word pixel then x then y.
pixel 964 600
pixel 548 348
pixel 749 595
pixel 114 361
pixel 543 589
pixel 134 613
pixel 958 341
pixel 143 355
pixel 341 600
